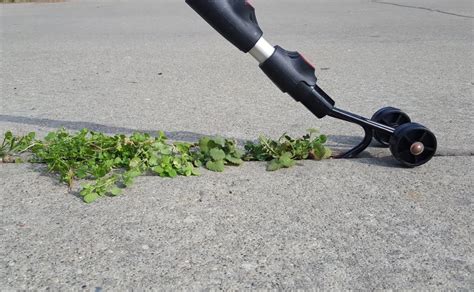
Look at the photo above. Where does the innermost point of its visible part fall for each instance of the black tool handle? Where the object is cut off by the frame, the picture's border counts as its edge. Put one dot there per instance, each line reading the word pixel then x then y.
pixel 233 19
pixel 294 75
pixel 236 21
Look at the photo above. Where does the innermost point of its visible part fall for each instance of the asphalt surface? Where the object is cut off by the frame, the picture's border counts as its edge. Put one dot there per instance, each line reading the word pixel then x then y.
pixel 120 66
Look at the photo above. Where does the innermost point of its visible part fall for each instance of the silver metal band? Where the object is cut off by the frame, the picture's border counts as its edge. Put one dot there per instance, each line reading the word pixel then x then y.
pixel 262 50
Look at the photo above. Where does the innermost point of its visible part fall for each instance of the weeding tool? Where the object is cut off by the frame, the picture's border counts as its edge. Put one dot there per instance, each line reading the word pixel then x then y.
pixel 410 143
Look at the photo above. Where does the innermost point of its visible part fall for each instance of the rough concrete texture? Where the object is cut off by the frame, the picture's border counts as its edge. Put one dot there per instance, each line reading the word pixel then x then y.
pixel 119 66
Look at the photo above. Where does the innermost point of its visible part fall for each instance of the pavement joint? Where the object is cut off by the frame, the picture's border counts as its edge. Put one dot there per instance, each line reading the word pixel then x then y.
pixel 455 154
pixel 423 8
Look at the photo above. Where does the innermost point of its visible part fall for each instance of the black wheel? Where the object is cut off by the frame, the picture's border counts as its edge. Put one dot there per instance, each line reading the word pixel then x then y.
pixel 412 144
pixel 389 116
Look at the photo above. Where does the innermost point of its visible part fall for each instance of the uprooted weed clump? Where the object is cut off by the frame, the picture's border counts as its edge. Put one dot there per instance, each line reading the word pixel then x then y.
pixel 111 163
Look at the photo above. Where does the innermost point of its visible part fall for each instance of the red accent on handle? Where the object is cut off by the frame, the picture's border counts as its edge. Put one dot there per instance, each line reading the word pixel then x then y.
pixel 306 60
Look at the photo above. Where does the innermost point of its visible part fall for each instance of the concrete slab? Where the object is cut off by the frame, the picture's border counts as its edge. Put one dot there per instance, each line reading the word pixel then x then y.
pixel 333 224
pixel 154 65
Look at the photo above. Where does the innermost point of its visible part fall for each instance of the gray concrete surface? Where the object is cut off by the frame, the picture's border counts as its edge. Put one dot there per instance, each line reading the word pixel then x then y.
pixel 119 66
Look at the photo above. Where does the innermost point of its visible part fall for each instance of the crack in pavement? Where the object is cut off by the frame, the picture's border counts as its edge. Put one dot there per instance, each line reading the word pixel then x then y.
pixel 422 8
pixel 335 142
pixel 440 153
pixel 460 154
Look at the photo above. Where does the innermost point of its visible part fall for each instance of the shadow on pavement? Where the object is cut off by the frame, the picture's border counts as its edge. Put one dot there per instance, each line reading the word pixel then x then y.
pixel 79 125
pixel 187 136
